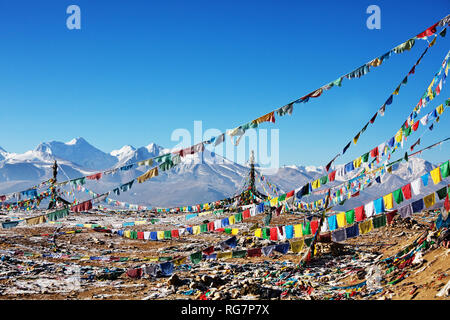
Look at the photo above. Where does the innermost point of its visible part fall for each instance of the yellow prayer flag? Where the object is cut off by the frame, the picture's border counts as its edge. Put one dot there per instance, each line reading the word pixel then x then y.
pixel 388 201
pixel 341 220
pixel 355 139
pixel 436 175
pixel 297 245
pixel 357 162
pixel 195 230
pixel 231 219
pixel 316 184
pixel 375 62
pixel 432 42
pixel 258 233
pixel 36 220
pixel 274 202
pixel 224 255
pixel 234 231
pixel 298 232
pixel 180 261
pixel 396 90
pixel 440 109
pixel 429 200
pixel 365 226
pixel 127 233
pixel 398 136
pixel 268 117
pixel 160 235
pixel 149 174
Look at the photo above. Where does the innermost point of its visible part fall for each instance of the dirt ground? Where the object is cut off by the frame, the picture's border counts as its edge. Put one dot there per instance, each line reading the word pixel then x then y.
pixel 22 267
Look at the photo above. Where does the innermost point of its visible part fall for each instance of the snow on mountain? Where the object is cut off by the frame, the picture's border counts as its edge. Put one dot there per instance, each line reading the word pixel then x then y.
pixel 3 153
pixel 78 151
pixel 199 178
pixel 128 154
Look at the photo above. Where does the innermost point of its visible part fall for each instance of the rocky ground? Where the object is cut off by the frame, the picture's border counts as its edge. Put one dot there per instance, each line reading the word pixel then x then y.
pixel 353 269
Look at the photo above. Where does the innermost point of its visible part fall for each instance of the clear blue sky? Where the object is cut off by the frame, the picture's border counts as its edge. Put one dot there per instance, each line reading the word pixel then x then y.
pixel 137 70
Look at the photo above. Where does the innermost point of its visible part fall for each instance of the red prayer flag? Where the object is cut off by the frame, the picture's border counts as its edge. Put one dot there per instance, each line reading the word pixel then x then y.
pixel 278 210
pixel 360 213
pixel 96 176
pixel 290 194
pixel 256 252
pixel 415 125
pixel 140 235
pixel 390 216
pixel 273 234
pixel 374 152
pixel 428 32
pixel 246 214
pixel 373 118
pixel 332 176
pixel 406 191
pixel 175 233
pixel 447 203
pixel 208 251
pixel 314 225
pixel 211 226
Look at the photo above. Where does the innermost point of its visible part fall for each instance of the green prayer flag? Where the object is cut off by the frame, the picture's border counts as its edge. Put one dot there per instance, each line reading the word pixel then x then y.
pixel 266 233
pixel 350 216
pixel 337 82
pixel 166 165
pixel 51 216
pixel 267 219
pixel 308 241
pixel 167 234
pixel 282 197
pixel 398 195
pixel 379 221
pixel 163 158
pixel 204 227
pixel 196 257
pixel 407 131
pixel 238 217
pixel 228 230
pixel 239 254
pixel 445 169
pixel 442 193
pixel 133 234
pixel 306 228
pixel 324 180
pixel 365 157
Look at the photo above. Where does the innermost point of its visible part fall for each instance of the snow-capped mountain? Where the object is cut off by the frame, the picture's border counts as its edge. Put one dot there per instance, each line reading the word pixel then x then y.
pixel 199 178
pixel 129 154
pixel 78 151
pixel 2 154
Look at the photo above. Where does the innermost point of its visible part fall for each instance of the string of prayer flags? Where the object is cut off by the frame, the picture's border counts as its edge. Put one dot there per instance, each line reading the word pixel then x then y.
pixel 84 206
pixel 148 175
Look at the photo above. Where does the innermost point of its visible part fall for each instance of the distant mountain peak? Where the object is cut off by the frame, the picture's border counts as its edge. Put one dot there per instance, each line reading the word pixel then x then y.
pixel 78 151
pixel 76 141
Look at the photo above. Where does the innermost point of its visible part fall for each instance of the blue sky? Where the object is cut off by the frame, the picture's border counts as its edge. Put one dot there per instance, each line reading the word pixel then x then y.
pixel 137 70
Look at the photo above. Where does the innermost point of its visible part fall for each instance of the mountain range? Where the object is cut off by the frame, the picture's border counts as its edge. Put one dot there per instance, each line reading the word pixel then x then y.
pixel 203 177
